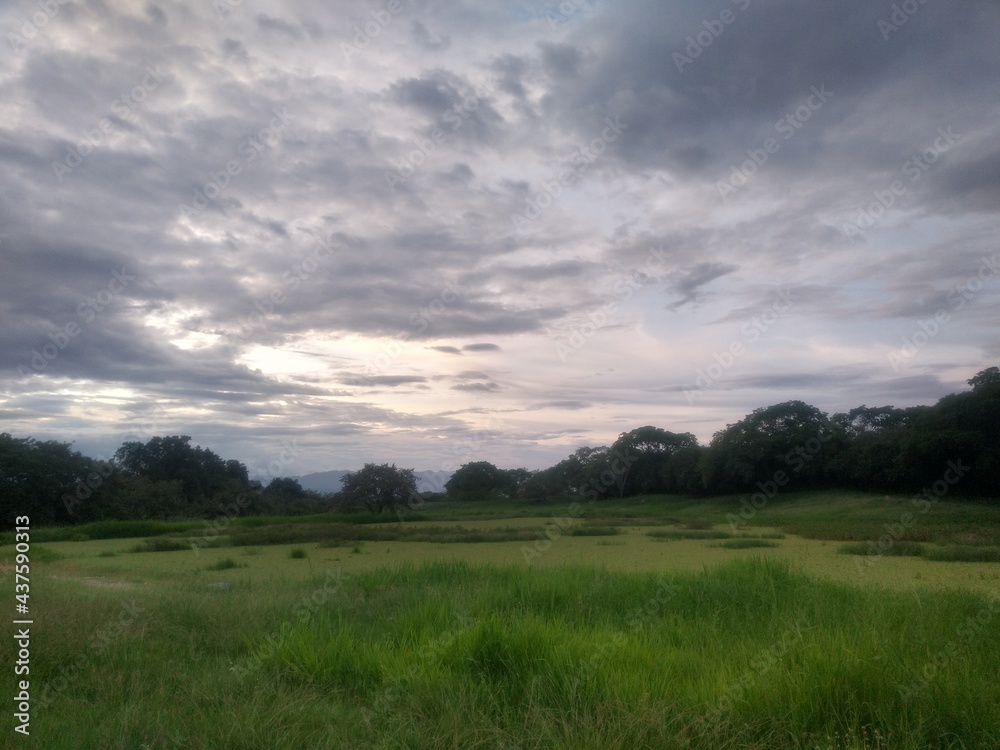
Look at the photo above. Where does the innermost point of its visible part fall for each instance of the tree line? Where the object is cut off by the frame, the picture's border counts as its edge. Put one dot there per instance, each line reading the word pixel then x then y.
pixel 789 445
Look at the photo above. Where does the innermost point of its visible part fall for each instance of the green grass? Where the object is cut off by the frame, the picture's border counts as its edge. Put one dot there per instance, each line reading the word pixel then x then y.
pixel 161 544
pixel 947 553
pixel 898 549
pixel 963 553
pixel 745 543
pixel 594 531
pixel 672 535
pixel 297 554
pixel 746 655
pixel 833 515
pixel 44 554
pixel 224 564
pixel 405 652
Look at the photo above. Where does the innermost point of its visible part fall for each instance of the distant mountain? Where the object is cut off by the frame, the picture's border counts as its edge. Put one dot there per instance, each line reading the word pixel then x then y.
pixel 329 481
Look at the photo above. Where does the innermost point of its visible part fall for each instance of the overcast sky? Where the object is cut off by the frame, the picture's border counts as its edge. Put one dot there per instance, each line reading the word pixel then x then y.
pixel 432 232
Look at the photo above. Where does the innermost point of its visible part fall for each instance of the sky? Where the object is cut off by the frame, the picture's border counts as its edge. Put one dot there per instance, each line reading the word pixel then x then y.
pixel 313 234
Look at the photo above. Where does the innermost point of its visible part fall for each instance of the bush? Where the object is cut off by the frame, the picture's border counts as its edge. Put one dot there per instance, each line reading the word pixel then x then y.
pixel 297 554
pixel 594 531
pixel 963 553
pixel 673 535
pixel 161 544
pixel 899 549
pixel 745 544
pixel 224 564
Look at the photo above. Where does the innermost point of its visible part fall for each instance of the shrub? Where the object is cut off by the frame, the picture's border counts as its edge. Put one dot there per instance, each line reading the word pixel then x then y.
pixel 898 549
pixel 224 564
pixel 745 544
pixel 963 553
pixel 672 535
pixel 594 531
pixel 161 544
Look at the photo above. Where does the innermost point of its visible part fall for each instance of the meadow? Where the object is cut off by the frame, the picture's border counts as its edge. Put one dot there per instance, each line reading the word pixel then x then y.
pixel 820 622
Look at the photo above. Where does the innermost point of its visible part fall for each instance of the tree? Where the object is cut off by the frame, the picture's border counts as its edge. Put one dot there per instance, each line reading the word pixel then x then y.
pixel 378 487
pixel 645 457
pixel 285 487
pixel 792 437
pixel 518 479
pixel 962 427
pixel 873 437
pixel 480 480
pixel 988 378
pixel 201 472
pixel 47 481
pixel 547 483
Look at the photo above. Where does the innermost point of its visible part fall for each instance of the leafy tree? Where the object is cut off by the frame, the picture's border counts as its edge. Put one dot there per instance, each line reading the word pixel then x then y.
pixel 46 481
pixel 985 379
pixel 201 472
pixel 285 487
pixel 378 487
pixel 480 480
pixel 547 483
pixel 139 497
pixel 568 477
pixel 873 437
pixel 646 455
pixel 518 479
pixel 961 427
pixel 792 437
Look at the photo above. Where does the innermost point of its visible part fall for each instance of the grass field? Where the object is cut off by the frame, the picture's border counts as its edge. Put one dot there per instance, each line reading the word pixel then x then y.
pixel 652 624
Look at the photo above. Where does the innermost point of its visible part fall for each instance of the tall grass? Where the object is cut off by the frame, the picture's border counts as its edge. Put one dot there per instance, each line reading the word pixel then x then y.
pixel 745 655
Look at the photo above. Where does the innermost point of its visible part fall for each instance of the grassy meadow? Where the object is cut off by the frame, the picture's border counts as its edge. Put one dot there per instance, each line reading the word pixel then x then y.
pixel 820 622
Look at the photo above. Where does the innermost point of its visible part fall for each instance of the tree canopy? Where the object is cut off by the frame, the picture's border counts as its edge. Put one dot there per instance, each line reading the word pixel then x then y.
pixel 378 487
pixel 881 448
pixel 481 480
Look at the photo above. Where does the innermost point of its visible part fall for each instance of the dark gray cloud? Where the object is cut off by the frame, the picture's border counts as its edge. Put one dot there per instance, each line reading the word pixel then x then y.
pixel 375 380
pixel 687 284
pixel 476 387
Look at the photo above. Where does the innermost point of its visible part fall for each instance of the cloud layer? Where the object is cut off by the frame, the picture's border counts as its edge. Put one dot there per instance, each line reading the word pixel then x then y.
pixel 430 233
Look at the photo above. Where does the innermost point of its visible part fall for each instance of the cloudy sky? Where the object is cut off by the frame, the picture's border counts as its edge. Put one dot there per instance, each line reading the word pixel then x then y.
pixel 429 232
